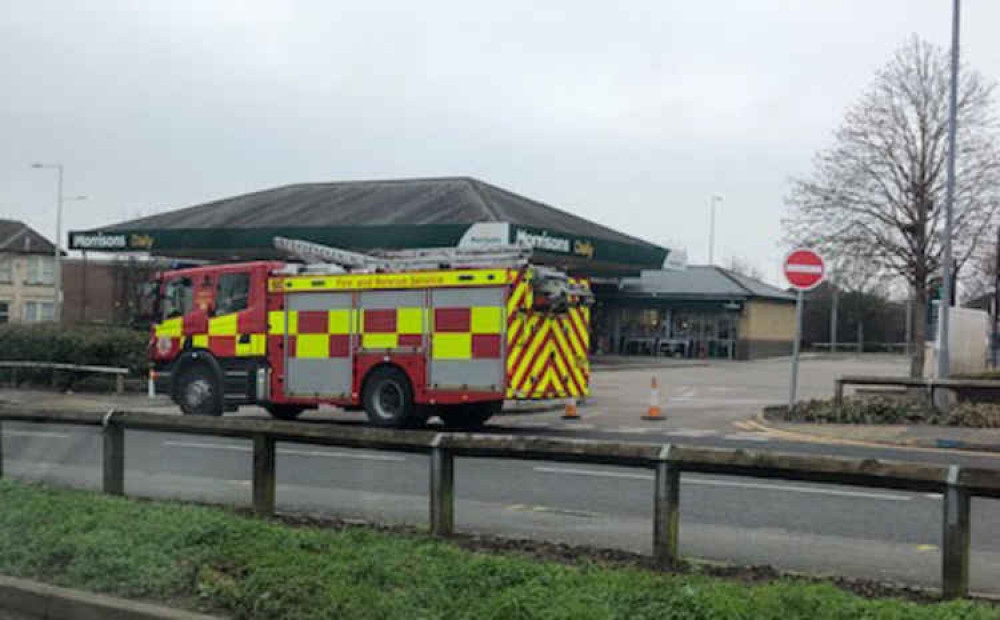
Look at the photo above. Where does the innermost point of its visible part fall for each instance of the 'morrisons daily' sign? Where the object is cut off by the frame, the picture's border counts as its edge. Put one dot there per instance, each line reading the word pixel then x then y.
pixel 110 241
pixel 500 233
pixel 542 240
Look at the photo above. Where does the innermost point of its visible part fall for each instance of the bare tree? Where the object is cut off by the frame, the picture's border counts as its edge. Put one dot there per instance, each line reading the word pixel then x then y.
pixel 980 279
pixel 744 267
pixel 877 194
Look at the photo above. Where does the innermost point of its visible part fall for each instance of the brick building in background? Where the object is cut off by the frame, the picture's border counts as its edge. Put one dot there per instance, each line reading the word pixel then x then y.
pixel 103 290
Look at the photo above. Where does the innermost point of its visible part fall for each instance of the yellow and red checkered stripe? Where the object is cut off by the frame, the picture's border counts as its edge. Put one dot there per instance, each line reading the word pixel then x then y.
pixel 314 333
pixel 546 352
pixel 223 337
pixel 466 333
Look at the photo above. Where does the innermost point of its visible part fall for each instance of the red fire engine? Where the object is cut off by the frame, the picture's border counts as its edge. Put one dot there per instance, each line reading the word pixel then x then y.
pixel 403 335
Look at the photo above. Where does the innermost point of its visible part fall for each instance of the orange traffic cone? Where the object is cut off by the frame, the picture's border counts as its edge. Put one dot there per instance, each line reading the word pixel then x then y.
pixel 654 403
pixel 571 412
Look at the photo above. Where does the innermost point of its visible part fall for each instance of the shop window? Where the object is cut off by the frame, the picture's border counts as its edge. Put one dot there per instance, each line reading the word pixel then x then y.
pixel 4 311
pixel 233 293
pixel 178 296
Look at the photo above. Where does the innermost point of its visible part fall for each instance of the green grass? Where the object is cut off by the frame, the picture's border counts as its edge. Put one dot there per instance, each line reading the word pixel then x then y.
pixel 210 558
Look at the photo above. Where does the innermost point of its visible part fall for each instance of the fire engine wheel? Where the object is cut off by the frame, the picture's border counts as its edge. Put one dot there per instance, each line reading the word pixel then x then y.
pixel 388 399
pixel 469 416
pixel 198 392
pixel 284 412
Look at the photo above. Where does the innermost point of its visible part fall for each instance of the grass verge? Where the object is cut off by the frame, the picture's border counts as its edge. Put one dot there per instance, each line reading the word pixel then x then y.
pixel 212 559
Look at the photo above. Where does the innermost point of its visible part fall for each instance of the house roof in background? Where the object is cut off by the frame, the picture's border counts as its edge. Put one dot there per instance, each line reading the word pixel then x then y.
pixel 18 237
pixel 701 282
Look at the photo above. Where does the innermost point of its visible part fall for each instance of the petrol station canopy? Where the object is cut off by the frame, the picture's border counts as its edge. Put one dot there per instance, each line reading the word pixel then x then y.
pixel 368 215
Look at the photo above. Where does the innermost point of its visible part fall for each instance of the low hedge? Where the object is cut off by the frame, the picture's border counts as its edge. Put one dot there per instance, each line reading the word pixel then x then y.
pixel 92 345
pixel 887 410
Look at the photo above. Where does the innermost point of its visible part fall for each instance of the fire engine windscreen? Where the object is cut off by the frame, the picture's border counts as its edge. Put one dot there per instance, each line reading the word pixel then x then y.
pixel 178 297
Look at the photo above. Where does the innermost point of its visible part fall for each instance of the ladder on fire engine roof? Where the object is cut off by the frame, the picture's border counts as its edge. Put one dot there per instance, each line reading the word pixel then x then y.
pixel 550 284
pixel 493 256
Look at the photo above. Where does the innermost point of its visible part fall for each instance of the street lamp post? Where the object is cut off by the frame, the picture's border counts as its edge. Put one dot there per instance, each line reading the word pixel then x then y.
pixel 57 270
pixel 944 354
pixel 711 228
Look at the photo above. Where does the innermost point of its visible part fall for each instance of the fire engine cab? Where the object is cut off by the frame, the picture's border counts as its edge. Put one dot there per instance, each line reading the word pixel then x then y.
pixel 402 335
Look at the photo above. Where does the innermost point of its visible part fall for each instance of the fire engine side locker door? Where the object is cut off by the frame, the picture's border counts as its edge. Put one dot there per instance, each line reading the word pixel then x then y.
pixel 318 357
pixel 468 331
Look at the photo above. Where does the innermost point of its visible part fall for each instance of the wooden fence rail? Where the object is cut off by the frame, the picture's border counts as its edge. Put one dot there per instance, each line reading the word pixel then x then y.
pixel 668 462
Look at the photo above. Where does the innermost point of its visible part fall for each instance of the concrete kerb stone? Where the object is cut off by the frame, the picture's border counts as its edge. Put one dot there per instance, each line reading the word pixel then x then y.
pixel 763 424
pixel 32 600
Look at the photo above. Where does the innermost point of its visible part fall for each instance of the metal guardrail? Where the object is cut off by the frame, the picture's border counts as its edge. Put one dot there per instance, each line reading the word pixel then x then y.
pixel 54 366
pixel 928 385
pixel 957 484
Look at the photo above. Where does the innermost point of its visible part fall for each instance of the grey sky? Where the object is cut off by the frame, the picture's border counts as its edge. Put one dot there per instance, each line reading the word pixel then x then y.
pixel 631 115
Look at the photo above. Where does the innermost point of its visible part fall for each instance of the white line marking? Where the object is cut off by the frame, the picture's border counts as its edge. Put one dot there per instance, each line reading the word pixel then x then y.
pixel 308 453
pixel 37 434
pixel 746 437
pixel 796 489
pixel 532 424
pixel 207 446
pixel 346 455
pixel 689 432
pixel 588 472
pixel 633 430
pixel 580 426
pixel 727 483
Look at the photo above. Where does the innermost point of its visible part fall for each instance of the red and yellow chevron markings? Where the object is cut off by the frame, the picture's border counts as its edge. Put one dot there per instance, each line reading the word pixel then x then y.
pixel 547 352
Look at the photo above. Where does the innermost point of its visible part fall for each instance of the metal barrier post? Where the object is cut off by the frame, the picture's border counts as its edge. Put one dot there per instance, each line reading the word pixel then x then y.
pixel 442 489
pixel 113 455
pixel 119 384
pixel 838 394
pixel 263 474
pixel 666 510
pixel 955 538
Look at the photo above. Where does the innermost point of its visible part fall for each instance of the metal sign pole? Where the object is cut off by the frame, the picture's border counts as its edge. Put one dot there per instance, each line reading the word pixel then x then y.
pixel 793 390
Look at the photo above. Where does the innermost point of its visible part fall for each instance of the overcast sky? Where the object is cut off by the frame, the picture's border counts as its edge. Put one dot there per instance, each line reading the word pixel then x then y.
pixel 631 114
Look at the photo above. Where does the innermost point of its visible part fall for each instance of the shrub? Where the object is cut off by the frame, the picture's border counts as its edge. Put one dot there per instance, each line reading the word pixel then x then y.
pixel 887 410
pixel 77 344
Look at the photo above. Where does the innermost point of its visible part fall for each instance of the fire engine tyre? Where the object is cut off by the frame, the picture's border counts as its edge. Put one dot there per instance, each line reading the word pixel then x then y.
pixel 471 416
pixel 388 399
pixel 284 412
pixel 198 392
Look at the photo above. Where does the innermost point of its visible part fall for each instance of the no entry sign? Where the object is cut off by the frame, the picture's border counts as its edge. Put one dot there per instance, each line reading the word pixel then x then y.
pixel 804 269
